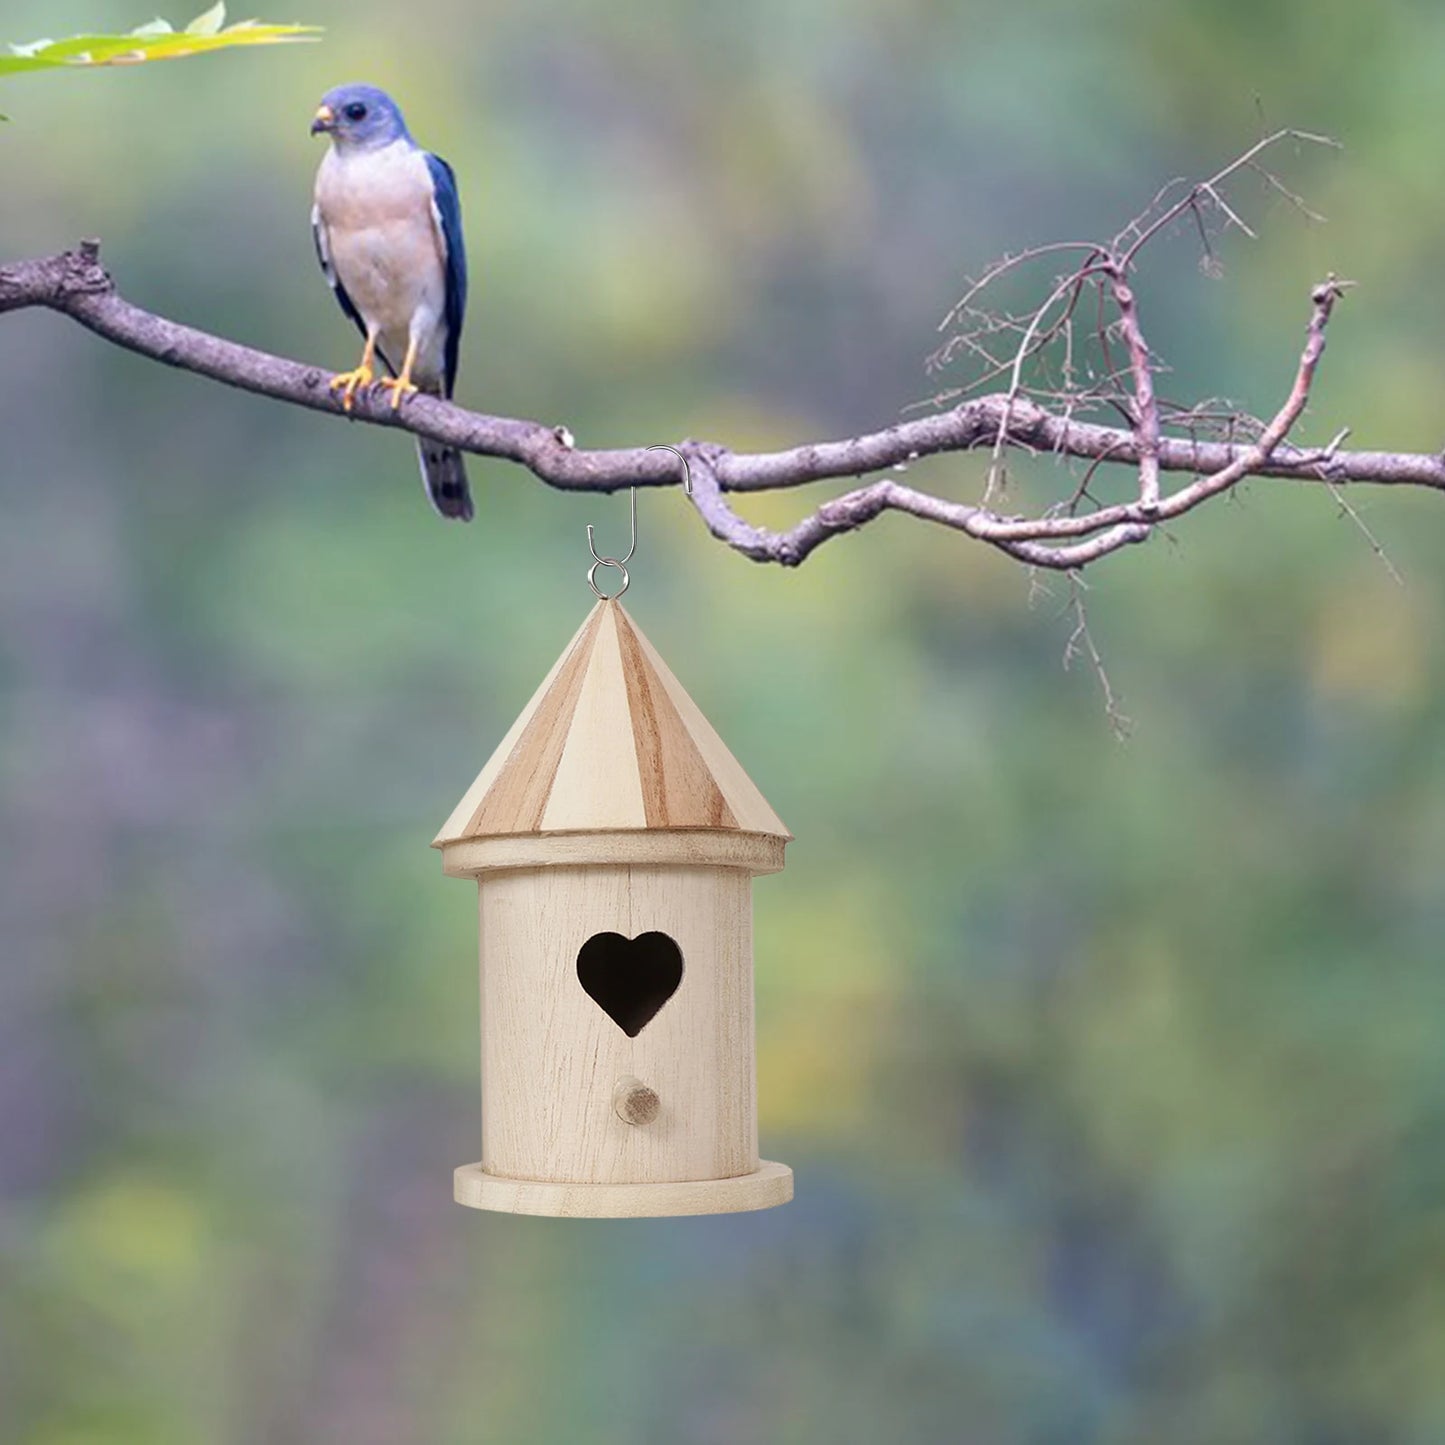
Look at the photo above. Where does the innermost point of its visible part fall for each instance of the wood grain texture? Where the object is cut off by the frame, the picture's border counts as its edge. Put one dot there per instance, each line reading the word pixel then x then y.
pixel 688 848
pixel 768 1185
pixel 750 809
pixel 516 801
pixel 596 782
pixel 551 1057
pixel 460 822
pixel 610 742
pixel 678 788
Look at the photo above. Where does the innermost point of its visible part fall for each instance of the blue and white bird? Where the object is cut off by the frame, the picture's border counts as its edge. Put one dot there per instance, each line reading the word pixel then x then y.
pixel 388 228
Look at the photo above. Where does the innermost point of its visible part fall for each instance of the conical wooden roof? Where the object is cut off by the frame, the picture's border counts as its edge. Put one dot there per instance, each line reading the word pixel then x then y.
pixel 610 742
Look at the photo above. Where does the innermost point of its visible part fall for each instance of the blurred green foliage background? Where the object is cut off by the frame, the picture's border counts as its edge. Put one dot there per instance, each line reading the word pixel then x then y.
pixel 1112 1074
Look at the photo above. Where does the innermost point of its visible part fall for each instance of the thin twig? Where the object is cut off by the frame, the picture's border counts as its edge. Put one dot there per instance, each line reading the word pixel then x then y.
pixel 1146 409
pixel 1374 542
pixel 1081 643
pixel 1144 234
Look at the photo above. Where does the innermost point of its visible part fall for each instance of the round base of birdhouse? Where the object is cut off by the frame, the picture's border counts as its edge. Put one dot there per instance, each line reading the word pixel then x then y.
pixel 766 1186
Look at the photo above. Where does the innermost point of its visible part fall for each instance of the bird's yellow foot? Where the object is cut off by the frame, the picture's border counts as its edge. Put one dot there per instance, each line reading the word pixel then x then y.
pixel 348 383
pixel 400 388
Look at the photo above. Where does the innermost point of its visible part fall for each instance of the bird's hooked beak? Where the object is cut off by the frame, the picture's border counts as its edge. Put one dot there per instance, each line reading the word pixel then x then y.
pixel 324 122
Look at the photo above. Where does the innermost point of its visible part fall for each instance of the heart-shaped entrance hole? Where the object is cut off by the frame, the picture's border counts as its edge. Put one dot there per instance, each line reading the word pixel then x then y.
pixel 629 979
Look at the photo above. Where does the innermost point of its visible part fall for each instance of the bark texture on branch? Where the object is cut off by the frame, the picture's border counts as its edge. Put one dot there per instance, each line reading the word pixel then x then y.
pixel 76 285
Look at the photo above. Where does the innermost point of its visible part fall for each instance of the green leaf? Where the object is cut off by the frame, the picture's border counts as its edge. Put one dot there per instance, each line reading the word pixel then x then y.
pixel 155 41
pixel 211 22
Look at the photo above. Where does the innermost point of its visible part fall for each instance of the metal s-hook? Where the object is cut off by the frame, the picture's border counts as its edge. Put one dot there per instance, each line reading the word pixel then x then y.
pixel 620 563
pixel 686 470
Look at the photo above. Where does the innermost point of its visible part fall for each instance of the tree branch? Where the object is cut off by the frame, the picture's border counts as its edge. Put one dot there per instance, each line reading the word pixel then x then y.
pixel 75 285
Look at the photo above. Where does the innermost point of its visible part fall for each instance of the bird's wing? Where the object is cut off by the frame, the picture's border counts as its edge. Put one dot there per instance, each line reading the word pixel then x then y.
pixel 447 218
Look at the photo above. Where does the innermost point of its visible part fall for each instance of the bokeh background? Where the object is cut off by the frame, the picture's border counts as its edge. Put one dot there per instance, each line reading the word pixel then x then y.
pixel 1112 1073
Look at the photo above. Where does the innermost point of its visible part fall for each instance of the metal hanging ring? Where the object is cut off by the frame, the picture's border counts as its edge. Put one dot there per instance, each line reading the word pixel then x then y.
pixel 592 579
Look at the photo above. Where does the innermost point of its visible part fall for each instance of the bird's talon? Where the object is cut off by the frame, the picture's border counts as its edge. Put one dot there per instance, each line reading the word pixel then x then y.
pixel 399 388
pixel 348 383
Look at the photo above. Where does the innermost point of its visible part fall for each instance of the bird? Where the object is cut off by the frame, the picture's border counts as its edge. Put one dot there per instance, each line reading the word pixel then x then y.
pixel 387 223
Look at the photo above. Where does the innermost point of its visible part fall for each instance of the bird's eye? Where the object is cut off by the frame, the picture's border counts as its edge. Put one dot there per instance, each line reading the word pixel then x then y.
pixel 355 111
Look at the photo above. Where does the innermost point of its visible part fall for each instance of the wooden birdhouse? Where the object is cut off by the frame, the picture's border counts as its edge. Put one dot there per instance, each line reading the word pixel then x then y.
pixel 614 839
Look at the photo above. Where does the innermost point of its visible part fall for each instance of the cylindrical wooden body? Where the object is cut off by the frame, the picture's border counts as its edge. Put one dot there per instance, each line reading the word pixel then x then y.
pixel 552 1057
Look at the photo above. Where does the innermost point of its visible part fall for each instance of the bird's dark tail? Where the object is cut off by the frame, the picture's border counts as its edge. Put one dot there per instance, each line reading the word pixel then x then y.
pixel 445 475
